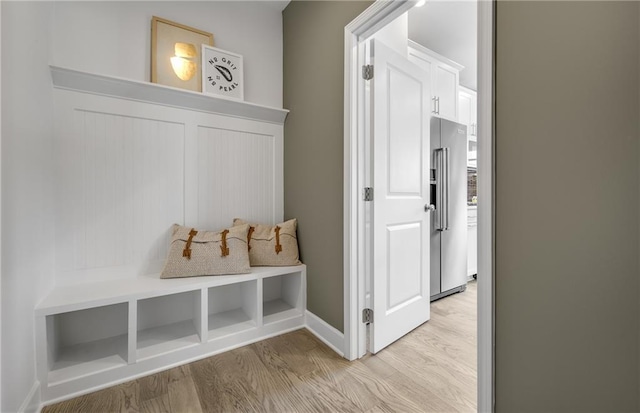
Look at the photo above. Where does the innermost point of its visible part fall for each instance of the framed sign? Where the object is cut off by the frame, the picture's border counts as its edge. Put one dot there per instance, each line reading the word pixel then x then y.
pixel 222 73
pixel 175 54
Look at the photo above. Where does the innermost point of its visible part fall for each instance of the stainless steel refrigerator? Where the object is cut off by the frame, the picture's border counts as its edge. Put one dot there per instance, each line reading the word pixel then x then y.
pixel 449 197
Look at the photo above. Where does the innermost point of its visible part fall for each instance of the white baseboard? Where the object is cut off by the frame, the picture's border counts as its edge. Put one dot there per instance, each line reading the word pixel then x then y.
pixel 326 333
pixel 32 403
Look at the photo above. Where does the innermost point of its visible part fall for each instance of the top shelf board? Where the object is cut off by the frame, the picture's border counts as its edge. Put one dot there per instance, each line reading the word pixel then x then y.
pixel 162 95
pixel 65 298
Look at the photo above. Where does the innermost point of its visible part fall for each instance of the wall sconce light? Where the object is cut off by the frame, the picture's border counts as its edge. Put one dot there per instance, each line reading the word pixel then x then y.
pixel 183 62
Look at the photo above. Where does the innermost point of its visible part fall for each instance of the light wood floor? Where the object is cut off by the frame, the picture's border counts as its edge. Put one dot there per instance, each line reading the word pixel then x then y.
pixel 431 369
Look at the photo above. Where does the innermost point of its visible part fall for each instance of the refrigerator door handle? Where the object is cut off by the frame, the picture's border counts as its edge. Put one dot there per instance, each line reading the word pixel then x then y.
pixel 446 187
pixel 439 217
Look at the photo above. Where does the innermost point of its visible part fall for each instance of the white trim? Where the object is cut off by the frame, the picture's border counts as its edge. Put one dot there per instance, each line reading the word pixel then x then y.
pixel 1 332
pixel 372 19
pixel 31 403
pixel 375 17
pixel 64 78
pixel 325 332
pixel 468 91
pixel 417 47
pixel 189 360
pixel 486 208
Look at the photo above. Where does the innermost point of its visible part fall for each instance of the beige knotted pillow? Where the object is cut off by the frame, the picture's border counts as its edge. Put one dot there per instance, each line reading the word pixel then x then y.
pixel 272 246
pixel 195 253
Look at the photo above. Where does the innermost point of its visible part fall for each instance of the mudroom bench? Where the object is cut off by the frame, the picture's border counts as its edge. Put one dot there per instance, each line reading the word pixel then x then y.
pixel 96 334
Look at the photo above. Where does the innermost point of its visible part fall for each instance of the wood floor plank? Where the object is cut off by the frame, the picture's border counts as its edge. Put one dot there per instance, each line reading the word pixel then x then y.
pixel 307 393
pixel 378 366
pixel 129 396
pixel 429 399
pixel 154 386
pixel 183 397
pixel 431 369
pixel 208 384
pixel 158 405
pixel 220 389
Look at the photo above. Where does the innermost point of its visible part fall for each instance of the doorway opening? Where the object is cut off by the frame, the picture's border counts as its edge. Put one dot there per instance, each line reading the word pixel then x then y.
pixel 360 221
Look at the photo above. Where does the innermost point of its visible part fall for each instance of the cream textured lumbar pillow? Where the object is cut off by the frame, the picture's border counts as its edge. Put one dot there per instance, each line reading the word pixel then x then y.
pixel 195 253
pixel 272 246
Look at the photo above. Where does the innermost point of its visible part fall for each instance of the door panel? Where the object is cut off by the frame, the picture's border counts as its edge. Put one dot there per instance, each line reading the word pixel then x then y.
pixel 400 101
pixel 404 143
pixel 404 276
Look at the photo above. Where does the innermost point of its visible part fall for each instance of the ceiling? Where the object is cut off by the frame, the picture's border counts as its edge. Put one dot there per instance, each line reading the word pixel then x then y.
pixel 449 28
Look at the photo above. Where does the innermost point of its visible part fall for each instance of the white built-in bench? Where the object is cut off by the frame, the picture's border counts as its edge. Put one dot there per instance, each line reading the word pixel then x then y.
pixel 132 158
pixel 100 333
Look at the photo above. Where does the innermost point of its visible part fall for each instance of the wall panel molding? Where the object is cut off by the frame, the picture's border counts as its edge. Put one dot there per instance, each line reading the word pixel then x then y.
pixel 126 170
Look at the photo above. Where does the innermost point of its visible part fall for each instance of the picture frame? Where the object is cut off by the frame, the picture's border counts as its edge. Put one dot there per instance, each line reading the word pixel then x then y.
pixel 222 73
pixel 176 54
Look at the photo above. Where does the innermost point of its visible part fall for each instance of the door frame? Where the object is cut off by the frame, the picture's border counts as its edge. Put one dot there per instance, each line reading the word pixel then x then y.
pixel 380 13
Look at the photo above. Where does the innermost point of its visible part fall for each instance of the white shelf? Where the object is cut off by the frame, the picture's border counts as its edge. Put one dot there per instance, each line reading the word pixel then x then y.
pixel 278 310
pixel 85 359
pixel 64 78
pixel 281 298
pixel 228 323
pixel 88 295
pixel 161 340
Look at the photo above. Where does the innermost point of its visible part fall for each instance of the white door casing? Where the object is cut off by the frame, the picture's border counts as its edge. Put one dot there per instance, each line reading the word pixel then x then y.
pixel 362 27
pixel 400 139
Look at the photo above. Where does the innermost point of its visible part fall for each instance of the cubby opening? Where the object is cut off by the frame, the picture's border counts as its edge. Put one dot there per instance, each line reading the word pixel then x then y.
pixel 85 342
pixel 232 308
pixel 282 297
pixel 168 323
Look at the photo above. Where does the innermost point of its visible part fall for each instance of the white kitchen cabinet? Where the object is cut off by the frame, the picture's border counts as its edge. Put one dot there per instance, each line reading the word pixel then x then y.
pixel 472 241
pixel 468 115
pixel 468 110
pixel 444 74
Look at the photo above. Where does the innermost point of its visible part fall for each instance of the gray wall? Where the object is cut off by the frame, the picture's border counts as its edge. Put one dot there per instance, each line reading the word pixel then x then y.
pixel 313 149
pixel 567 206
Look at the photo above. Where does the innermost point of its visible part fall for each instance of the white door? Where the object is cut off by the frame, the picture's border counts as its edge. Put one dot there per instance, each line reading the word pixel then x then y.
pixel 400 137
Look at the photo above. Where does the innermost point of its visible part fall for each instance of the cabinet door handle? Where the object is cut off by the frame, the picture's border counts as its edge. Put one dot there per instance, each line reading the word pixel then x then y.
pixel 438 105
pixel 434 105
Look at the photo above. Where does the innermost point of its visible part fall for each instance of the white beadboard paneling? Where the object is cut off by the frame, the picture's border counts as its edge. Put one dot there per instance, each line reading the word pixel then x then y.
pixel 127 170
pixel 120 187
pixel 236 177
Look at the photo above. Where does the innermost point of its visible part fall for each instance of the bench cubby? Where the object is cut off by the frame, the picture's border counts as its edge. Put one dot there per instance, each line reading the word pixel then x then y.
pixel 232 308
pixel 282 298
pixel 94 335
pixel 82 342
pixel 168 323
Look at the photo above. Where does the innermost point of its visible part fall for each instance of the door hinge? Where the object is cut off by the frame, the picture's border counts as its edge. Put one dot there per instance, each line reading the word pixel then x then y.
pixel 367 316
pixel 367 72
pixel 368 194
